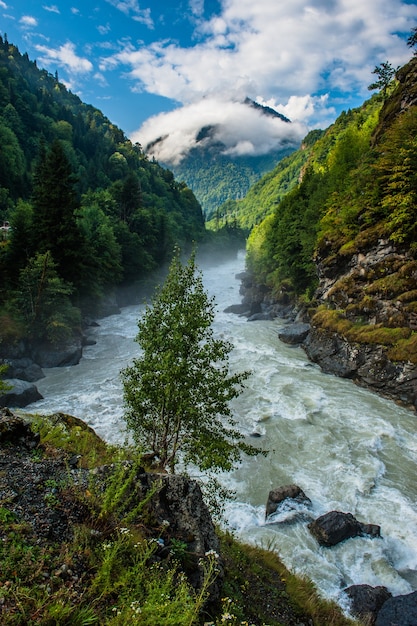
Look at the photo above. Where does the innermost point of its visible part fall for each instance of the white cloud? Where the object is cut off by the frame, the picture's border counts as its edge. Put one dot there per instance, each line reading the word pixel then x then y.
pixel 197 7
pixel 52 8
pixel 27 21
pixel 101 79
pixel 241 128
pixel 302 56
pixel 3 5
pixel 103 30
pixel 132 9
pixel 65 56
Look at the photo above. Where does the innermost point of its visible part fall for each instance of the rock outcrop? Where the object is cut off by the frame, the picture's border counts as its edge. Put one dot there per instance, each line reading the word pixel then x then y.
pixel 398 611
pixel 294 334
pixel 333 527
pixel 20 394
pixel 366 601
pixel 287 493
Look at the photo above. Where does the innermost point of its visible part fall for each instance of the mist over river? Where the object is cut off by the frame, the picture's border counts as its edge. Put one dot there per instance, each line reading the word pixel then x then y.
pixel 347 448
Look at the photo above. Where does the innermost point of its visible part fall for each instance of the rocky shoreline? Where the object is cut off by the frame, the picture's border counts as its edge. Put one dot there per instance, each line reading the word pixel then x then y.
pixel 366 364
pixel 374 606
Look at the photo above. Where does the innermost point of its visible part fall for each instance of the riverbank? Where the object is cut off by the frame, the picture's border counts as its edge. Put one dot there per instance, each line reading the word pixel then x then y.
pixel 366 355
pixel 70 537
pixel 348 449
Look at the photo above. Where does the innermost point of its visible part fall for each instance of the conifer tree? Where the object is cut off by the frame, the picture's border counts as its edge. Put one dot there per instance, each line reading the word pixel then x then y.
pixel 54 220
pixel 177 392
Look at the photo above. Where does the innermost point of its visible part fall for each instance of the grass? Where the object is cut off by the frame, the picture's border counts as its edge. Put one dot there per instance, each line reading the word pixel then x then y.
pixel 259 589
pixel 109 574
pixel 400 341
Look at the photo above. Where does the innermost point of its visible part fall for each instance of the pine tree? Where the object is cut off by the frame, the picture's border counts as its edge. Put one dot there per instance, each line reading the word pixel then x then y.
pixel 54 204
pixel 177 392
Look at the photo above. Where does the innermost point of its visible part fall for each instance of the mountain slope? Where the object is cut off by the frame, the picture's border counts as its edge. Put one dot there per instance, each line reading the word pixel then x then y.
pixel 217 172
pixel 266 193
pixel 345 238
pixel 84 210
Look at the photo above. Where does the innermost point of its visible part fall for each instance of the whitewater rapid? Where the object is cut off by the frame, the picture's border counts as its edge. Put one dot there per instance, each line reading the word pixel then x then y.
pixel 346 447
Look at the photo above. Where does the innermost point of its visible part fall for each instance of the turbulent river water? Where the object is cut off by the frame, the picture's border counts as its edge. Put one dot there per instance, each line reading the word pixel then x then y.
pixel 347 448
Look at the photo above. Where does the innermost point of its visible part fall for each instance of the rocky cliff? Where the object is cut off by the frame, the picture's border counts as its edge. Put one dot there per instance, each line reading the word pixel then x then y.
pixel 366 322
pixel 344 243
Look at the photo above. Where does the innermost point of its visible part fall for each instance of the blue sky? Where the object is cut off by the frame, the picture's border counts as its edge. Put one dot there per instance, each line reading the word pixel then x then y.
pixel 164 68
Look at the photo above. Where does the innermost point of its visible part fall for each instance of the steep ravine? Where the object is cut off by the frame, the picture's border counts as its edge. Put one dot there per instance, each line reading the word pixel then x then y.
pixel 362 321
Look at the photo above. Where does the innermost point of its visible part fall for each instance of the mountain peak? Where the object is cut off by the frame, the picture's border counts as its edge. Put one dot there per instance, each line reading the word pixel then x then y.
pixel 265 110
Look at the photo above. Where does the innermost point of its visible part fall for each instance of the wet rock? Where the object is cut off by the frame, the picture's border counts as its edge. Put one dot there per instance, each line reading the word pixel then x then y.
pixel 262 316
pixel 367 364
pixel 49 356
pixel 398 611
pixel 14 430
pixel 24 368
pixel 366 601
pixel 21 393
pixel 294 333
pixel 237 309
pixel 336 526
pixel 286 492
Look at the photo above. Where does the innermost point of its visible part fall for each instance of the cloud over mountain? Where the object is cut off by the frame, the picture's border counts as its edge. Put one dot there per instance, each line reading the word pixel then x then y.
pixel 241 128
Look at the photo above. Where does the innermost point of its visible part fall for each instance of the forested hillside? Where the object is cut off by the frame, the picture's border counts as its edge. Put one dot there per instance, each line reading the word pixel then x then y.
pixel 263 197
pixel 216 178
pixel 282 246
pixel 82 209
pixel 344 241
pixel 215 174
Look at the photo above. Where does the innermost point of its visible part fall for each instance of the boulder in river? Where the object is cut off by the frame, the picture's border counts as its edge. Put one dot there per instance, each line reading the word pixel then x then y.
pixel 398 611
pixel 50 356
pixel 21 393
pixel 281 494
pixel 294 334
pixel 23 368
pixel 336 526
pixel 366 601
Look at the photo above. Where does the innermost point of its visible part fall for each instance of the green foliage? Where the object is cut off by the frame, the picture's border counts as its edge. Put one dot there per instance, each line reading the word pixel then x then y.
pixel 103 254
pixel 43 301
pixel 396 169
pixel 385 73
pixel 120 499
pixel 321 209
pixel 54 225
pixel 177 392
pixel 264 195
pixel 70 434
pixel 73 185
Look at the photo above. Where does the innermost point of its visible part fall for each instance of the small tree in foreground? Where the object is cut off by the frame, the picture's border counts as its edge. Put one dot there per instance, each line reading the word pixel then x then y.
pixel 177 392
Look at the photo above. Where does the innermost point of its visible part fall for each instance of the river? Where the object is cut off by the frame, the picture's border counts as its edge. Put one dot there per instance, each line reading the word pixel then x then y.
pixel 346 447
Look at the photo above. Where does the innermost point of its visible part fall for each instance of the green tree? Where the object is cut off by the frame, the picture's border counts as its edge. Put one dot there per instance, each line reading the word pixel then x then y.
pixel 54 213
pixel 20 244
pixel 412 39
pixel 43 301
pixel 177 392
pixel 102 251
pixel 385 73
